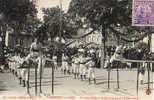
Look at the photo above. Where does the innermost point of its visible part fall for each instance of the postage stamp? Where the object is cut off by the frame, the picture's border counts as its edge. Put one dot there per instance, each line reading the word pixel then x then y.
pixel 143 13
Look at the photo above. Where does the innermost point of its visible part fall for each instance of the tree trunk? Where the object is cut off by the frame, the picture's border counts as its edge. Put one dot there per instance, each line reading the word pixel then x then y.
pixel 103 47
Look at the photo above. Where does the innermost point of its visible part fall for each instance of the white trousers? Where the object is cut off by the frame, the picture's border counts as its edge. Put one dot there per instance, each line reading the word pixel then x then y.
pixel 141 76
pixel 65 66
pixel 24 74
pixel 2 67
pixel 76 68
pixel 19 73
pixel 55 64
pixel 13 66
pixel 91 73
pixel 83 69
pixel 41 65
pixel 10 65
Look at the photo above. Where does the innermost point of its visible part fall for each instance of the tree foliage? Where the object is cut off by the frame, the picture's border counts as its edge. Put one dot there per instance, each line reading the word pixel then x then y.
pixel 108 14
pixel 57 22
pixel 31 24
pixel 17 10
pixel 16 14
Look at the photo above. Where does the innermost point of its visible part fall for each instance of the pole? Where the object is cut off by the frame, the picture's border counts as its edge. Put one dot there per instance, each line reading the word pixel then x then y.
pixel 103 51
pixel 36 79
pixel 148 76
pixel 41 75
pixel 137 83
pixel 28 78
pixel 60 15
pixel 53 79
pixel 109 76
pixel 118 75
pixel 118 64
pixel 149 45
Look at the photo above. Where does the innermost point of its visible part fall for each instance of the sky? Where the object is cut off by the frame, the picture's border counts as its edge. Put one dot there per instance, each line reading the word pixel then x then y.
pixel 51 3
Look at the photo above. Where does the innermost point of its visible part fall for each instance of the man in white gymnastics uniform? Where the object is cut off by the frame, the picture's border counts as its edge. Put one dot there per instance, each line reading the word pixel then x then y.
pixel 76 66
pixel 91 69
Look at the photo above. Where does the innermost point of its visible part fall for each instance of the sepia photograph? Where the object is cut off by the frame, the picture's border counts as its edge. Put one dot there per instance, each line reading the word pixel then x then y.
pixel 76 49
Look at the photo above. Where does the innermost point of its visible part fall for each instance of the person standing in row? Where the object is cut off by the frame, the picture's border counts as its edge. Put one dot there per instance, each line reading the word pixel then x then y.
pixel 19 62
pixel 54 58
pixel 76 66
pixel 11 61
pixel 65 63
pixel 24 69
pixel 91 69
pixel 142 72
pixel 82 61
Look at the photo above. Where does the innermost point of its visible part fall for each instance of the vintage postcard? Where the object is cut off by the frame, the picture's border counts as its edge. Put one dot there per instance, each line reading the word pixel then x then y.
pixel 76 49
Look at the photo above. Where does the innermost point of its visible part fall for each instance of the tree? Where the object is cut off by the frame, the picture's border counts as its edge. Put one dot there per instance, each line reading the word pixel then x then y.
pixel 15 13
pixel 59 23
pixel 17 10
pixel 32 25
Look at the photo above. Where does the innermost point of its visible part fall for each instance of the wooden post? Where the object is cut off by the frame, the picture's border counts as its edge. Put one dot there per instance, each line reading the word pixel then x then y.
pixel 109 70
pixel 53 79
pixel 118 75
pixel 103 50
pixel 41 76
pixel 28 78
pixel 149 46
pixel 36 79
pixel 118 64
pixel 148 76
pixel 137 83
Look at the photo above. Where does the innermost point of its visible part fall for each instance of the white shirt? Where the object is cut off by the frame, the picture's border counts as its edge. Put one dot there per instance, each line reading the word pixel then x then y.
pixel 90 63
pixel 35 46
pixel 64 58
pixel 76 60
pixel 82 59
pixel 54 58
pixel 18 61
